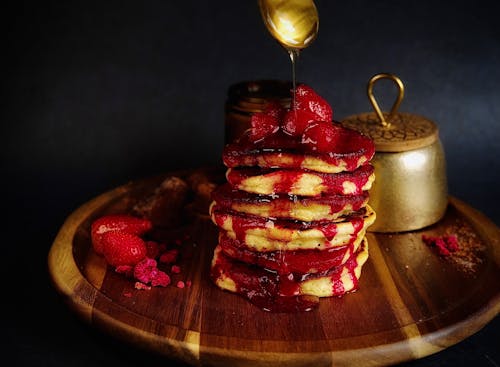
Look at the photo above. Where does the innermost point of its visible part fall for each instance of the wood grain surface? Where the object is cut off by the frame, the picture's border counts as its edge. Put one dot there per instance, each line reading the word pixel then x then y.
pixel 411 302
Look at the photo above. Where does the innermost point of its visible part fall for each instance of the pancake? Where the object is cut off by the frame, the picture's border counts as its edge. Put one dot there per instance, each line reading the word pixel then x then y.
pixel 280 150
pixel 253 281
pixel 266 234
pixel 300 182
pixel 308 209
pixel 284 262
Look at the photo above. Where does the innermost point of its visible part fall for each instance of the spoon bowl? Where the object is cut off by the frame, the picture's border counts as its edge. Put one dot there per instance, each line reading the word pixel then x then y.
pixel 293 23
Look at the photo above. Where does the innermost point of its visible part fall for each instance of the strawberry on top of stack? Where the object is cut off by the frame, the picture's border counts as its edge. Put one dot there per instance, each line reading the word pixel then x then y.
pixel 293 215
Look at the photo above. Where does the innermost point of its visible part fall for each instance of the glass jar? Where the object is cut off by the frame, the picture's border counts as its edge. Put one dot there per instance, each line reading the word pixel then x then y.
pixel 248 97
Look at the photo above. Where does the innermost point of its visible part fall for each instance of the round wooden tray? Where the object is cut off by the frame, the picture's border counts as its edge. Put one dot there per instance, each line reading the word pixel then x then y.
pixel 411 302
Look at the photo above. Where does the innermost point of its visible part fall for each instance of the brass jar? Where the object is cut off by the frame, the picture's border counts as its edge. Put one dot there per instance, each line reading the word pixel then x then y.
pixel 248 97
pixel 410 188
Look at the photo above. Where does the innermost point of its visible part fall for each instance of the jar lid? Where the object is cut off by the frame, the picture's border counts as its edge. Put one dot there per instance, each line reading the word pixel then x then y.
pixel 393 131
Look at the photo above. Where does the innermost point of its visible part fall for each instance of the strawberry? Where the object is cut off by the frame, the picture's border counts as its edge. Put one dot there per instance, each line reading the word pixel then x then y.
pixel 262 126
pixel 296 121
pixel 119 222
pixel 122 248
pixel 320 136
pixel 306 99
pixel 275 109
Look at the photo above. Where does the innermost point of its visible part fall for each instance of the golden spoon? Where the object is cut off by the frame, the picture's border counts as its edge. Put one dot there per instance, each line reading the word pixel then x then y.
pixel 293 23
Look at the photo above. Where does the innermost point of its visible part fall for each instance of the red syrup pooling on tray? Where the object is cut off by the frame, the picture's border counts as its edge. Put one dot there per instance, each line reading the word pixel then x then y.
pixel 286 179
pixel 350 147
pixel 284 262
pixel 281 204
pixel 276 292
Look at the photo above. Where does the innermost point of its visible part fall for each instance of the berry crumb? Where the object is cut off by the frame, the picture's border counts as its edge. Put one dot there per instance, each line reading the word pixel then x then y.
pixel 142 286
pixel 445 244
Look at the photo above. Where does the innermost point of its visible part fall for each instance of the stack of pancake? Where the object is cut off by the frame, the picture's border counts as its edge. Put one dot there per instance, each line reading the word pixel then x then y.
pixel 292 220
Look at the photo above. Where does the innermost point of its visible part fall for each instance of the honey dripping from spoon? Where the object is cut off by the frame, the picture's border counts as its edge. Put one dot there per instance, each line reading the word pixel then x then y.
pixel 294 24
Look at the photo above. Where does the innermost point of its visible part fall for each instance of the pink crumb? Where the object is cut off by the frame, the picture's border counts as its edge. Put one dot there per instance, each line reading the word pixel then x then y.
pixel 441 246
pixel 451 243
pixel 444 244
pixel 145 270
pixel 176 269
pixel 161 279
pixel 180 284
pixel 188 283
pixel 127 294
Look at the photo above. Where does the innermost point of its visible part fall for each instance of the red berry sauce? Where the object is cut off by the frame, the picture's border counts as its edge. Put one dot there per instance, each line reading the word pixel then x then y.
pixel 286 180
pixel 349 147
pixel 284 262
pixel 276 292
pixel 281 204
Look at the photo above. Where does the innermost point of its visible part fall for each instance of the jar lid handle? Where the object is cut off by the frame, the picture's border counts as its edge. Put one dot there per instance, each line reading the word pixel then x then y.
pixel 374 103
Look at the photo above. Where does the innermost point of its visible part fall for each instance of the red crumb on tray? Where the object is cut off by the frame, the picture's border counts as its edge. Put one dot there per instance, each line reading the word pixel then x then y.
pixel 169 256
pixel 444 244
pixel 161 279
pixel 458 244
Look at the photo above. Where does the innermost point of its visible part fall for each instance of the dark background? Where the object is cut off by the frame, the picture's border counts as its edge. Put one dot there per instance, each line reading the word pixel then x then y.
pixel 97 93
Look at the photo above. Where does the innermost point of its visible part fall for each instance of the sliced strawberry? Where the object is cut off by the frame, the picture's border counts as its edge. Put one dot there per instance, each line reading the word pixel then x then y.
pixel 121 248
pixel 275 109
pixel 296 121
pixel 306 99
pixel 119 222
pixel 321 136
pixel 262 125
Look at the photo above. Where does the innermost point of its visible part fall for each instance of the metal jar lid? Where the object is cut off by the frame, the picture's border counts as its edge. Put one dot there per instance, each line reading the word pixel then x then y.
pixel 394 131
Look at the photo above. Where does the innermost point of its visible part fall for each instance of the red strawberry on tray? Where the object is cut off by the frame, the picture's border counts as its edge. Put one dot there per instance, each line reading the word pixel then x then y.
pixel 122 248
pixel 118 222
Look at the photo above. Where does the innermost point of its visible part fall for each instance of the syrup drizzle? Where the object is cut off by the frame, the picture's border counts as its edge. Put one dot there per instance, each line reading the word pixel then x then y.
pixel 294 56
pixel 296 303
